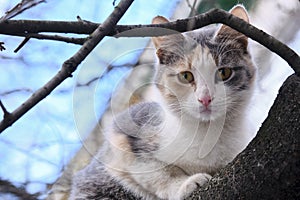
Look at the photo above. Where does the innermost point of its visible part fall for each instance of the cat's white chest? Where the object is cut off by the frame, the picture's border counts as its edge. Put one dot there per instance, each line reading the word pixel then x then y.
pixel 192 161
pixel 196 147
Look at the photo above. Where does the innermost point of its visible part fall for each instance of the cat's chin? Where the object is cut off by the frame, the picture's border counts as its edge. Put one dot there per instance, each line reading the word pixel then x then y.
pixel 205 115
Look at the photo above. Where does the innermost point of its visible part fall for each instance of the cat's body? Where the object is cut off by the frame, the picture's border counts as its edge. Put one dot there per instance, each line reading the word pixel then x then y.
pixel 196 125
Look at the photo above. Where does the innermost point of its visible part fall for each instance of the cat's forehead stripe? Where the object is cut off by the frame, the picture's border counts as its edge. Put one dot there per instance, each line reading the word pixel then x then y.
pixel 202 58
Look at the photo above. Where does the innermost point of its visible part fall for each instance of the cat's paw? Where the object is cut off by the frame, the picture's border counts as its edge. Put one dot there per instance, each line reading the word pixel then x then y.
pixel 191 184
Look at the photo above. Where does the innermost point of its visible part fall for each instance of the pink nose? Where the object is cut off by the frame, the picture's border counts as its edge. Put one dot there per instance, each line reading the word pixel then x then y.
pixel 205 100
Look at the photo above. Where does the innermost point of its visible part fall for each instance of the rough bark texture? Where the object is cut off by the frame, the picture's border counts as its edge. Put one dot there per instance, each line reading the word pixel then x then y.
pixel 269 168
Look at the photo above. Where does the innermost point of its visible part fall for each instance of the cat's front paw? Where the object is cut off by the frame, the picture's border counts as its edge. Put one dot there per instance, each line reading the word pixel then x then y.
pixel 191 184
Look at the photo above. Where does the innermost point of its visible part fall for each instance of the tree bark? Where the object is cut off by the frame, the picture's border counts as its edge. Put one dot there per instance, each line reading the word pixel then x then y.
pixel 269 168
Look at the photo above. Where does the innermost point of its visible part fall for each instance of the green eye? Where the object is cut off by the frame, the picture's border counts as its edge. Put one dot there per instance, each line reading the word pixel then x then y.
pixel 224 73
pixel 186 77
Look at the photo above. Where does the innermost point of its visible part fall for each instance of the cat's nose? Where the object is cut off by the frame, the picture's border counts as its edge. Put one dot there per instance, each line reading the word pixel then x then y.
pixel 205 100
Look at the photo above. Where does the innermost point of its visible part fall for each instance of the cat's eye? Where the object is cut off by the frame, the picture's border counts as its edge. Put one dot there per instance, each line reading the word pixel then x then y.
pixel 224 73
pixel 186 77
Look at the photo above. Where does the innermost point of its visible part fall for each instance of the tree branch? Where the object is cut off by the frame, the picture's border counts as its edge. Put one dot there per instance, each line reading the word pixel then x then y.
pixel 13 27
pixel 7 187
pixel 108 29
pixel 21 7
pixel 26 39
pixel 70 65
pixel 73 40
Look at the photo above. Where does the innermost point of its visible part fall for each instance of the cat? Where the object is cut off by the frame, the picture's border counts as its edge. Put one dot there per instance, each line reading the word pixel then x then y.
pixel 165 149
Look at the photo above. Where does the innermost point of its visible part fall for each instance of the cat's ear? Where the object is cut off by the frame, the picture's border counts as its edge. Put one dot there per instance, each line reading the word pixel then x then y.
pixel 227 33
pixel 169 47
pixel 168 39
pixel 158 41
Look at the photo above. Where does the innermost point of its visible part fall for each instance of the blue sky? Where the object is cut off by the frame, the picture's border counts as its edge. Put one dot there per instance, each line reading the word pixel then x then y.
pixel 36 147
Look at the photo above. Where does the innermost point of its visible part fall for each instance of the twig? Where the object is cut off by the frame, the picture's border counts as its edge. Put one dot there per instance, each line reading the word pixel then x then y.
pixel 70 65
pixel 73 40
pixel 28 90
pixel 193 7
pixel 6 113
pixel 26 39
pixel 106 71
pixel 21 7
pixel 2 47
pixel 79 41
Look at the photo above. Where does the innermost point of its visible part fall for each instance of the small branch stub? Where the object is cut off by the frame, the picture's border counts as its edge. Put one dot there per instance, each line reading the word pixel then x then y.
pixel 2 48
pixel 6 114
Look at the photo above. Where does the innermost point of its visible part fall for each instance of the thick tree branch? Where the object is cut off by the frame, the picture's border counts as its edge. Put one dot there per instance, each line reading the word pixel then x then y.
pixel 70 65
pixel 12 27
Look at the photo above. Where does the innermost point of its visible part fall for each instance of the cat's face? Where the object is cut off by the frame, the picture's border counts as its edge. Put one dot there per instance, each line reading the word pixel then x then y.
pixel 205 74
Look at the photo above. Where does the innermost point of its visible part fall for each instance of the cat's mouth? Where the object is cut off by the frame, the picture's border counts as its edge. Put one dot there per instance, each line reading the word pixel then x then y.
pixel 209 113
pixel 205 111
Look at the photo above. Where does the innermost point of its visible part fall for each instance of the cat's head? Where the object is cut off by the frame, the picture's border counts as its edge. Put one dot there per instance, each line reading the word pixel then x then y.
pixel 205 73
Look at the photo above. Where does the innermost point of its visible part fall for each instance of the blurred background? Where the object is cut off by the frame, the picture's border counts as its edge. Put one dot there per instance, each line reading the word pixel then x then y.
pixel 35 151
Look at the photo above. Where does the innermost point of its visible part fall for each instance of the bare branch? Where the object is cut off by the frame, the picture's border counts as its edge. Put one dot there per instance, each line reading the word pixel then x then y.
pixel 20 7
pixel 26 39
pixel 192 7
pixel 108 28
pixel 70 65
pixel 11 27
pixel 16 27
pixel 7 187
pixel 107 70
pixel 79 41
pixel 73 40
